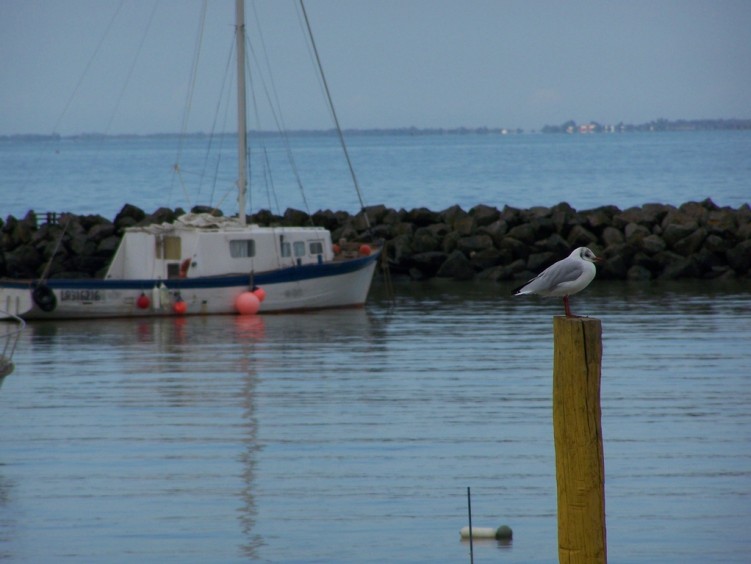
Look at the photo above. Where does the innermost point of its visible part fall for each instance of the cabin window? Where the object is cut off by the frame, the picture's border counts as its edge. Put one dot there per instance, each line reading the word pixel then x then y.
pixel 316 248
pixel 242 248
pixel 168 248
pixel 286 250
pixel 299 248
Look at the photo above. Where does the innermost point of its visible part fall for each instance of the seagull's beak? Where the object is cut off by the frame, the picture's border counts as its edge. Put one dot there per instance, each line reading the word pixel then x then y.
pixel 599 259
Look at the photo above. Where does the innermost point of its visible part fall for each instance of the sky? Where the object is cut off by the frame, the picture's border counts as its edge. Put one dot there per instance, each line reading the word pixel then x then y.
pixel 389 63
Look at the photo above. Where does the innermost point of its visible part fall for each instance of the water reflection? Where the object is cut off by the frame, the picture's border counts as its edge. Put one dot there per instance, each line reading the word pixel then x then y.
pixel 212 438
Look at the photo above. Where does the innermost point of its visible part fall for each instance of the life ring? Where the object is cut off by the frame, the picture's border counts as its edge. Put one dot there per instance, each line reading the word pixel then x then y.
pixel 44 298
pixel 184 267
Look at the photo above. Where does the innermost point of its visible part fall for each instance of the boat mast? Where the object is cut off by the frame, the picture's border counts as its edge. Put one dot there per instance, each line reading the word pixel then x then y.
pixel 242 130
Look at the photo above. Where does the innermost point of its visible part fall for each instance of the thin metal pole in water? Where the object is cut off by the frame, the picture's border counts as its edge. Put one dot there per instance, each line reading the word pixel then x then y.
pixel 469 510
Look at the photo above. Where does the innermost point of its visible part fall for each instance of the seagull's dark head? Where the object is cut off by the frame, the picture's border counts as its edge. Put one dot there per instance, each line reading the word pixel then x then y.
pixel 588 255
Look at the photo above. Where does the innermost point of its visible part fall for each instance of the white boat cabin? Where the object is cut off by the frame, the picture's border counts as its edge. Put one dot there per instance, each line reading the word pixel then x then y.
pixel 199 245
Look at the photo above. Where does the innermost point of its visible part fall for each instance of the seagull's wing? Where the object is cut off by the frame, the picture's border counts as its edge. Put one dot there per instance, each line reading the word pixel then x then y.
pixel 552 278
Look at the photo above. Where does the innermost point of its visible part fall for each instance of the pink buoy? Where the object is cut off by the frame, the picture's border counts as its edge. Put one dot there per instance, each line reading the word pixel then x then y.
pixel 260 293
pixel 247 303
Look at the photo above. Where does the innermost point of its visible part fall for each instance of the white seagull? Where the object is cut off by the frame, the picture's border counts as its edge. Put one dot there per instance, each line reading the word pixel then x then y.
pixel 564 278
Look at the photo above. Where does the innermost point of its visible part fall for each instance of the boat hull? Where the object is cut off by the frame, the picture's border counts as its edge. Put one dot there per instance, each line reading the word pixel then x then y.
pixel 340 283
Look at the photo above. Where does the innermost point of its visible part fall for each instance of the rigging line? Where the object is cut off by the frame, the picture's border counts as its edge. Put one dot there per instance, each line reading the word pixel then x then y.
pixel 213 133
pixel 54 251
pixel 88 66
pixel 276 107
pixel 73 96
pixel 270 191
pixel 219 153
pixel 189 97
pixel 132 67
pixel 333 111
pixel 313 63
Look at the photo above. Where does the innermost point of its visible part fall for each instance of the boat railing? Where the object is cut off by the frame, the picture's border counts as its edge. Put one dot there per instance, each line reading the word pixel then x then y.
pixel 10 332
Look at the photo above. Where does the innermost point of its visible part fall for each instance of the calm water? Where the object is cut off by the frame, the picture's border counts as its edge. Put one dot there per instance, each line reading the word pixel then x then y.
pixel 351 436
pixel 100 176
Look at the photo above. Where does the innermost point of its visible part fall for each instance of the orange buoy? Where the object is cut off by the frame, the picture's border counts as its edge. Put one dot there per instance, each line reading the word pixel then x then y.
pixel 365 250
pixel 336 248
pixel 180 307
pixel 143 301
pixel 260 293
pixel 247 303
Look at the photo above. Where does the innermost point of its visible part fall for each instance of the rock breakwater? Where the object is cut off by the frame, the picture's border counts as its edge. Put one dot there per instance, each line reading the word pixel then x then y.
pixel 694 240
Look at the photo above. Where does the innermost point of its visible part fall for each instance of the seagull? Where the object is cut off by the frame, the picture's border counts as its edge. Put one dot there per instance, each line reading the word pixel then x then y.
pixel 564 278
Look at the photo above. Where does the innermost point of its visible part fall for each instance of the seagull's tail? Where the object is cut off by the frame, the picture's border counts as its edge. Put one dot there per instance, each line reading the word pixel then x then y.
pixel 520 290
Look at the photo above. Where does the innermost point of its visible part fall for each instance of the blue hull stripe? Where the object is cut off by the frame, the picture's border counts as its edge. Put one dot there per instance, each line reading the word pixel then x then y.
pixel 291 274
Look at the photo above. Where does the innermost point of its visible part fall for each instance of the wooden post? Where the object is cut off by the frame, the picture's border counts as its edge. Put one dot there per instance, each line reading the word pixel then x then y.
pixel 579 460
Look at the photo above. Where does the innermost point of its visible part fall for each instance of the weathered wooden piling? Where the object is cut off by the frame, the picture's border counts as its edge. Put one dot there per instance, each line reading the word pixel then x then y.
pixel 577 430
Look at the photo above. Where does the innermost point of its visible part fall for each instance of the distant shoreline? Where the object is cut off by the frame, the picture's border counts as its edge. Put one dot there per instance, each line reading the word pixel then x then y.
pixel 569 127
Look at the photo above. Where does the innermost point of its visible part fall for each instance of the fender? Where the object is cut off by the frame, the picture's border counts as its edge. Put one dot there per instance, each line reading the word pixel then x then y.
pixel 184 267
pixel 44 298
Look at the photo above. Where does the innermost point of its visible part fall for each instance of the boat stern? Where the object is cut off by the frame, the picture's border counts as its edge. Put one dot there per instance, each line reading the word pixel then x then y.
pixel 15 300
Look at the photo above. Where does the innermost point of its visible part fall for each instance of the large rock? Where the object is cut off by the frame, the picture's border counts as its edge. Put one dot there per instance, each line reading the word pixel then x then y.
pixel 464 226
pixel 581 237
pixel 487 258
pixel 452 215
pixel 526 233
pixel 129 216
pixel 635 233
pixel 645 216
pixel 485 215
pixel 561 216
pixel 427 264
pixel 456 266
pixel 108 246
pixel 101 231
pixel 425 240
pixel 293 217
pixel 691 243
pixel 23 262
pixel 422 217
pixel 516 248
pixel 652 244
pixel 722 222
pixel 495 230
pixel 474 243
pixel 638 273
pixel 537 262
pixel 739 257
pixel 674 232
pixel 554 244
pixel 676 266
pixel 612 236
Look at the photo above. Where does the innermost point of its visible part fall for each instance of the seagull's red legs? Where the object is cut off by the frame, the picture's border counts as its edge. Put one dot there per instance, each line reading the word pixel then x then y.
pixel 566 306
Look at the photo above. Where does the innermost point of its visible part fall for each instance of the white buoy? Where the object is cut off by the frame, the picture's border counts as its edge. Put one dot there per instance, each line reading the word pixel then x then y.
pixel 164 297
pixel 155 298
pixel 500 533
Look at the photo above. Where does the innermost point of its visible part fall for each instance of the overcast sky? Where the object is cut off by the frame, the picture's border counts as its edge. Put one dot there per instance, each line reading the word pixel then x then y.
pixel 389 63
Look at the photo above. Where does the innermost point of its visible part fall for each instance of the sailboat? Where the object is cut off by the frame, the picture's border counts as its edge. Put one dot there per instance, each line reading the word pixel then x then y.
pixel 202 264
